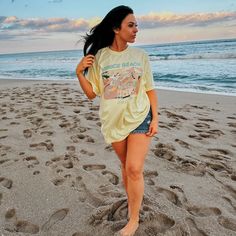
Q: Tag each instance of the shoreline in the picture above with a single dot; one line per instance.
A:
(6, 82)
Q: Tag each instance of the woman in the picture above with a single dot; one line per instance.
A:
(122, 77)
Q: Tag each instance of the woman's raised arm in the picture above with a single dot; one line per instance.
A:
(85, 62)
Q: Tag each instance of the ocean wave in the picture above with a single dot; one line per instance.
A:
(195, 79)
(179, 56)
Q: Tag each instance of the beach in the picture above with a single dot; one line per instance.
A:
(58, 177)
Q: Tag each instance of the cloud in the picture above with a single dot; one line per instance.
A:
(149, 21)
(44, 25)
(154, 20)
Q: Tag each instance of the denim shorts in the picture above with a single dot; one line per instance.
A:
(144, 126)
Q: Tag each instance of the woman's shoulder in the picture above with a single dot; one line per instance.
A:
(100, 53)
(138, 50)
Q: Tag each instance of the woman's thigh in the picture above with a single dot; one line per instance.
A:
(137, 149)
(121, 150)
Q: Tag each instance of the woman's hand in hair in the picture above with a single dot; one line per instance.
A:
(85, 62)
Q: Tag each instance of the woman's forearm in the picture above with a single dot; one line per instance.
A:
(85, 62)
(86, 86)
(152, 95)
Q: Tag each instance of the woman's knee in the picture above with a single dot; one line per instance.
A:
(134, 172)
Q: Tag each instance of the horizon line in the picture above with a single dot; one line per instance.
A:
(140, 45)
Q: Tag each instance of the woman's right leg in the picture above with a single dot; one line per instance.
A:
(121, 151)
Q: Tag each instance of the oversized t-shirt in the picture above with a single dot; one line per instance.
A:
(121, 79)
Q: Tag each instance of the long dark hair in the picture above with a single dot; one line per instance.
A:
(102, 35)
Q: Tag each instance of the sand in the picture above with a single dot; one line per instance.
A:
(58, 177)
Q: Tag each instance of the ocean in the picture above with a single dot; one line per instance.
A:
(200, 66)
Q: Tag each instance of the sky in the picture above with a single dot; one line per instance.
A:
(48, 25)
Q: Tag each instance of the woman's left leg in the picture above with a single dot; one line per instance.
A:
(137, 149)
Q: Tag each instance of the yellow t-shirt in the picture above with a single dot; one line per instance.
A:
(121, 79)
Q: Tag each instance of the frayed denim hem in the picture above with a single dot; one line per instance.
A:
(139, 132)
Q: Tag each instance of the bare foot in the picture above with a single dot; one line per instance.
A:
(129, 229)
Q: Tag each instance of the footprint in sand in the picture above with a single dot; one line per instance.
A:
(182, 198)
(149, 176)
(36, 120)
(80, 234)
(193, 229)
(113, 178)
(82, 151)
(4, 160)
(3, 130)
(165, 151)
(76, 111)
(94, 108)
(115, 211)
(206, 119)
(15, 123)
(78, 184)
(109, 191)
(159, 224)
(221, 153)
(209, 133)
(48, 133)
(92, 116)
(47, 145)
(99, 124)
(162, 125)
(2, 137)
(202, 125)
(65, 124)
(109, 148)
(58, 181)
(182, 143)
(170, 196)
(232, 208)
(231, 117)
(86, 194)
(195, 137)
(191, 167)
(70, 148)
(93, 167)
(219, 167)
(227, 222)
(12, 224)
(27, 133)
(7, 183)
(36, 172)
(56, 217)
(175, 116)
(51, 107)
(78, 137)
(233, 177)
(232, 124)
(4, 147)
(67, 160)
(203, 211)
(31, 161)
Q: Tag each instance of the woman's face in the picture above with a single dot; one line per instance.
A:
(128, 29)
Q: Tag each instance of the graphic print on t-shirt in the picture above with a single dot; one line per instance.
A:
(121, 83)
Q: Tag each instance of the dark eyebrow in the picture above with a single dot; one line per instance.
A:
(132, 22)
